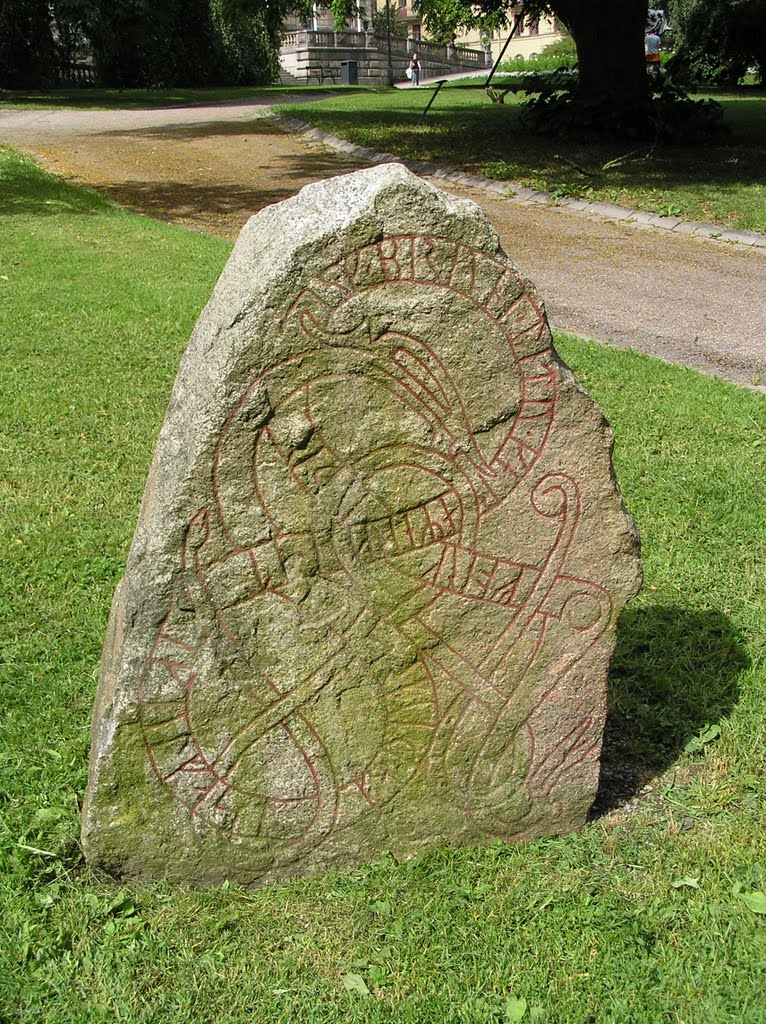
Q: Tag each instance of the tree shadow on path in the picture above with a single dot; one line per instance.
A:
(222, 209)
(257, 125)
(675, 670)
(212, 175)
(208, 176)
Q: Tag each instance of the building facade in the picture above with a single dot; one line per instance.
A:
(531, 39)
(314, 51)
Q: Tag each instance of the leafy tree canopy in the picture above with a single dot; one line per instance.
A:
(143, 42)
(612, 94)
(718, 40)
(387, 18)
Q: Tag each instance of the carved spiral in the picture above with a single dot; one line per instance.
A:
(554, 495)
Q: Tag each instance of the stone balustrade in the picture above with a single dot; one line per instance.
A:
(316, 54)
(324, 39)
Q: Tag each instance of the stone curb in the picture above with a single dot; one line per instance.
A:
(524, 196)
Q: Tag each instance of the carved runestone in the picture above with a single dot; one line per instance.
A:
(371, 600)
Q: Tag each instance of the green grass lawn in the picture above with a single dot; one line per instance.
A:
(109, 99)
(721, 184)
(651, 915)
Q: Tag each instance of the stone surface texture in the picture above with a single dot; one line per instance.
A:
(371, 600)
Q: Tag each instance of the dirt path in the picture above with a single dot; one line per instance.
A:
(685, 299)
(207, 167)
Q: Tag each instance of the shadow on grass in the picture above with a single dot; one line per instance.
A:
(477, 135)
(674, 671)
(28, 190)
(142, 99)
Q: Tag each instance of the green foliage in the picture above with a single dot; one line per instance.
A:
(27, 49)
(136, 43)
(556, 108)
(681, 120)
(69, 19)
(248, 41)
(142, 43)
(184, 42)
(718, 40)
(445, 19)
(561, 48)
(559, 109)
(560, 54)
(386, 17)
(541, 63)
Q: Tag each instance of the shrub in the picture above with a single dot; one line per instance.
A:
(563, 47)
(27, 49)
(183, 43)
(718, 40)
(537, 64)
(558, 109)
(560, 54)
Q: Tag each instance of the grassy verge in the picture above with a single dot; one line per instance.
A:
(722, 184)
(108, 99)
(648, 915)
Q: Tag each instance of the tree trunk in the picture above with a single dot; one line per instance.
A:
(609, 36)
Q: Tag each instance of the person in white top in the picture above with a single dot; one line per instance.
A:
(415, 69)
(652, 43)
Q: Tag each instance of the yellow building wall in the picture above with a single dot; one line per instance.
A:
(524, 44)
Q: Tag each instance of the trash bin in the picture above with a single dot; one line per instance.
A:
(349, 72)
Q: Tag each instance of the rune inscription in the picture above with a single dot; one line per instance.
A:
(372, 596)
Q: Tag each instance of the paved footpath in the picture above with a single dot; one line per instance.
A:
(685, 298)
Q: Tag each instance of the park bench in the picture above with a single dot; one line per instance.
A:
(320, 72)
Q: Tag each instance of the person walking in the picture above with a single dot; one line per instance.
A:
(415, 69)
(652, 43)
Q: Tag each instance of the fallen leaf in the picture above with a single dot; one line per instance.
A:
(515, 1008)
(355, 983)
(692, 881)
(755, 901)
(705, 736)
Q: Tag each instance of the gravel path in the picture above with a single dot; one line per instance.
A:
(687, 299)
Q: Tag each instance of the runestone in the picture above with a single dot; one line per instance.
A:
(372, 596)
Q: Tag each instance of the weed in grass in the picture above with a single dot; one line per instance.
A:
(669, 210)
(650, 914)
